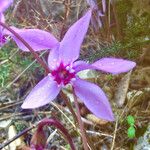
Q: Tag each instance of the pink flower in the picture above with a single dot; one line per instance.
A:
(4, 4)
(96, 19)
(64, 68)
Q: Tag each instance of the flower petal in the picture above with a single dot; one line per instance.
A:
(104, 5)
(3, 40)
(53, 58)
(94, 98)
(81, 65)
(70, 45)
(114, 65)
(92, 3)
(44, 92)
(2, 18)
(37, 39)
(4, 4)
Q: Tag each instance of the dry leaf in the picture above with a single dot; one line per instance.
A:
(122, 89)
(96, 120)
(5, 123)
(15, 144)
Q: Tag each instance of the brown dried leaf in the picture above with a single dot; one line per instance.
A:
(122, 89)
(15, 144)
(96, 120)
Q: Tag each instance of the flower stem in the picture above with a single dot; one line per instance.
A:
(84, 140)
(28, 46)
(58, 125)
(68, 103)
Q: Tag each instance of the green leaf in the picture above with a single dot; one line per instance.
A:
(130, 120)
(131, 132)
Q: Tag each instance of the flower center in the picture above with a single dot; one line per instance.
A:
(3, 39)
(63, 74)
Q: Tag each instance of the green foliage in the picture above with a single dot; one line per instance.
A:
(12, 63)
(132, 54)
(67, 147)
(20, 126)
(5, 67)
(130, 120)
(115, 49)
(131, 132)
(112, 49)
(137, 31)
(4, 74)
(25, 61)
(109, 76)
(134, 23)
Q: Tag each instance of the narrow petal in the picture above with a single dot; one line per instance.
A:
(104, 5)
(92, 3)
(70, 45)
(94, 98)
(2, 19)
(44, 92)
(4, 4)
(53, 58)
(37, 39)
(3, 40)
(81, 65)
(114, 65)
(100, 14)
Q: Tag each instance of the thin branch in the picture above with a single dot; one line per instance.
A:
(114, 136)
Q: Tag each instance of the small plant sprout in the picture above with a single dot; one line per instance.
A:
(131, 129)
(131, 132)
(4, 4)
(131, 120)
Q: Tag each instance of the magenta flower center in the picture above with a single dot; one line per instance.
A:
(3, 39)
(63, 74)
